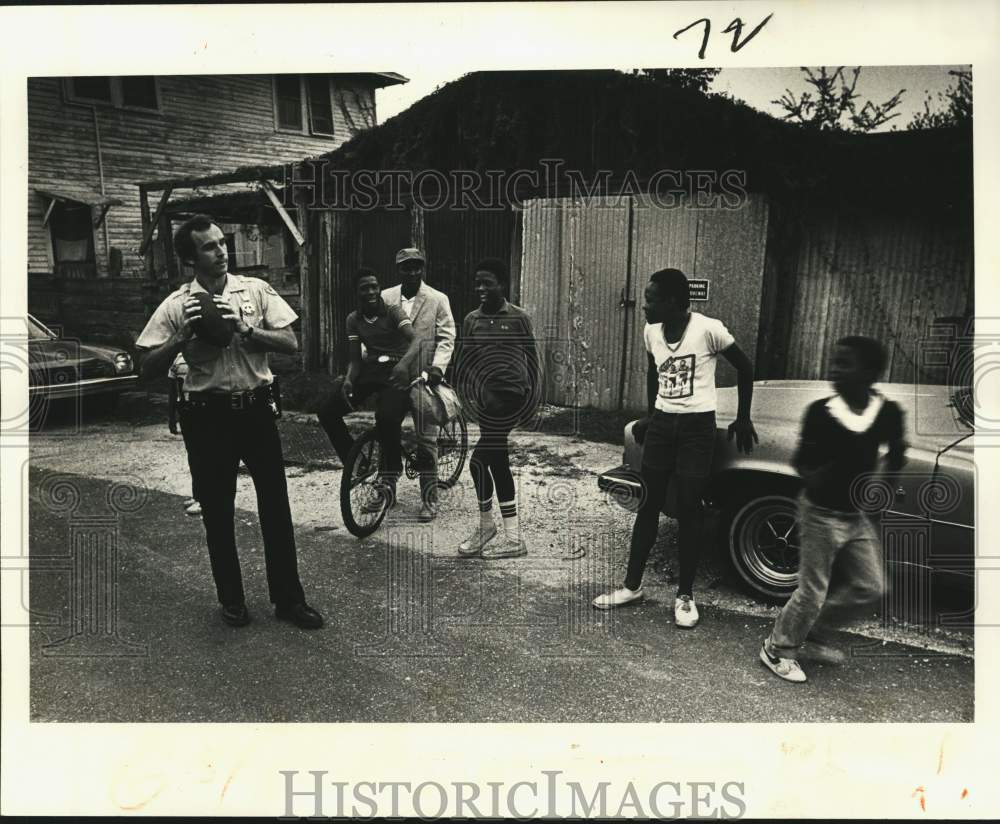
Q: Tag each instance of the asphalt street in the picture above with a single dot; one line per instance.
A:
(413, 633)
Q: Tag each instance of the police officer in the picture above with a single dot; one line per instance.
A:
(228, 414)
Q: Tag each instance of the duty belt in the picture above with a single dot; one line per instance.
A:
(235, 401)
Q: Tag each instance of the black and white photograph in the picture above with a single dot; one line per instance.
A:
(448, 432)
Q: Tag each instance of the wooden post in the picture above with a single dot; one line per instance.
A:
(146, 222)
(305, 289)
(165, 236)
(151, 224)
(268, 190)
(325, 282)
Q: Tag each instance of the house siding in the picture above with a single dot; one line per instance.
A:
(206, 125)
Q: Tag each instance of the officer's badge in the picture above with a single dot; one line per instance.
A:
(247, 308)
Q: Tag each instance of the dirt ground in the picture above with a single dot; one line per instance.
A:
(563, 514)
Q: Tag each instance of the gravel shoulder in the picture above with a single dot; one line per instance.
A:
(564, 516)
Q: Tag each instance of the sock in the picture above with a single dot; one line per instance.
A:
(511, 527)
(486, 515)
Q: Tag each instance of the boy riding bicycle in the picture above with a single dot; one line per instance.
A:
(382, 352)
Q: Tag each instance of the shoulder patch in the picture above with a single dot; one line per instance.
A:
(270, 289)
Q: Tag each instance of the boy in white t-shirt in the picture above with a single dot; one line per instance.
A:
(678, 436)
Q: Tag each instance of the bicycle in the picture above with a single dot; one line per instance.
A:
(365, 498)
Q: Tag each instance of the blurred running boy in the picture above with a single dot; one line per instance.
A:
(840, 561)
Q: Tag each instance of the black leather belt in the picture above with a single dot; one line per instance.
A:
(235, 401)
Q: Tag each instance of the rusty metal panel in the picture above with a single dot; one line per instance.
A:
(731, 247)
(886, 277)
(544, 282)
(573, 273)
(661, 238)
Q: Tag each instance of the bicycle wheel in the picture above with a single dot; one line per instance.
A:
(453, 447)
(364, 500)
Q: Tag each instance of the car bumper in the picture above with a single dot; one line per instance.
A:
(622, 482)
(92, 386)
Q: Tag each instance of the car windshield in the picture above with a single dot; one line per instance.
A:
(38, 332)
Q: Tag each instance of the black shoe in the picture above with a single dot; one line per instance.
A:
(236, 615)
(302, 615)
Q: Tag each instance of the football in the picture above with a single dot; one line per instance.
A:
(211, 327)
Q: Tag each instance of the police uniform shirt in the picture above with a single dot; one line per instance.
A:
(380, 335)
(499, 348)
(234, 368)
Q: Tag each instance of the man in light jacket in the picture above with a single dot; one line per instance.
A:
(430, 313)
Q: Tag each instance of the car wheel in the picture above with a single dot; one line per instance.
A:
(764, 545)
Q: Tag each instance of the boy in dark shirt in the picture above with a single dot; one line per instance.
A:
(498, 375)
(840, 561)
(382, 353)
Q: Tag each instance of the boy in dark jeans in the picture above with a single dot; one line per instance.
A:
(840, 562)
(678, 437)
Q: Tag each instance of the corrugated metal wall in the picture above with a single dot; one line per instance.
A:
(346, 242)
(579, 260)
(847, 273)
(454, 240)
(876, 275)
(572, 279)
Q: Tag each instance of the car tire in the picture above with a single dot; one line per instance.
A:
(761, 535)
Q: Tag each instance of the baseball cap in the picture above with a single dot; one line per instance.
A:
(410, 253)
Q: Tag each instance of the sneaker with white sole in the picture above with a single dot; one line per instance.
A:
(505, 547)
(618, 598)
(474, 544)
(787, 669)
(685, 612)
(192, 508)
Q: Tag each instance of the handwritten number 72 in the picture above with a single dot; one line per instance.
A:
(736, 27)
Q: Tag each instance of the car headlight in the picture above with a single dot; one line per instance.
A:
(123, 363)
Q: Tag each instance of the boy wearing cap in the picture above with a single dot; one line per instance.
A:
(433, 324)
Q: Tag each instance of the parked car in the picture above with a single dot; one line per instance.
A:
(66, 369)
(929, 514)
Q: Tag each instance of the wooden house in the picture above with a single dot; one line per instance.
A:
(93, 142)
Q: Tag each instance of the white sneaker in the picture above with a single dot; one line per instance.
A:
(192, 508)
(685, 612)
(787, 669)
(474, 544)
(618, 598)
(506, 547)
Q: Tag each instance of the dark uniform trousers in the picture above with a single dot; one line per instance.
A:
(217, 439)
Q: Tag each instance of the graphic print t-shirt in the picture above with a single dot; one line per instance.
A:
(686, 372)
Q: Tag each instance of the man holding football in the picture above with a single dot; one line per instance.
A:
(225, 325)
